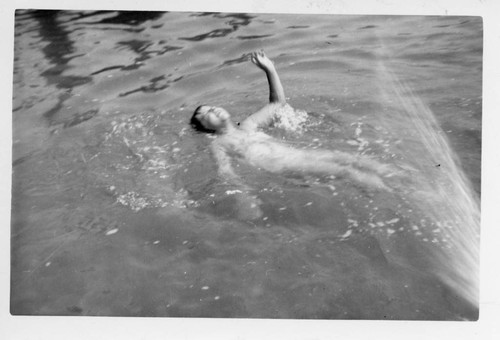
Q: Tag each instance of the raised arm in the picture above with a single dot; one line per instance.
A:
(276, 94)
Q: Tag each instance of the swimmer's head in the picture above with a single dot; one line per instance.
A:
(209, 119)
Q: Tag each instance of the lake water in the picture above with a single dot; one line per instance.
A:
(117, 208)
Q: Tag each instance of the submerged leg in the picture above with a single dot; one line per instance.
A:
(365, 172)
(368, 178)
(363, 163)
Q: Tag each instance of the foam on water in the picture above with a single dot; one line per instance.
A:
(290, 119)
(443, 192)
(153, 158)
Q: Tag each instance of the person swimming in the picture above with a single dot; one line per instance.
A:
(246, 143)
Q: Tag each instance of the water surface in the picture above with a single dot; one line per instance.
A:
(117, 208)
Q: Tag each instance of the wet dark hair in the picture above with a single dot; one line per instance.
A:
(196, 124)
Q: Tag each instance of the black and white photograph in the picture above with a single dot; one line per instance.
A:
(246, 165)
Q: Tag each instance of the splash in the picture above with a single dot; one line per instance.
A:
(137, 202)
(290, 119)
(443, 193)
(145, 154)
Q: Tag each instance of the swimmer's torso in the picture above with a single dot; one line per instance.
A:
(264, 152)
(255, 148)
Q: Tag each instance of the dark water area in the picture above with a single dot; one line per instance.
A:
(117, 207)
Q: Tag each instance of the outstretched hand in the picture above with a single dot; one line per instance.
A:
(260, 59)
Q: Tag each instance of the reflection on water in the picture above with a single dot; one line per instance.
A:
(236, 21)
(59, 50)
(130, 18)
(118, 208)
(249, 37)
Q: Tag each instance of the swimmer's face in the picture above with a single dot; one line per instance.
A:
(212, 118)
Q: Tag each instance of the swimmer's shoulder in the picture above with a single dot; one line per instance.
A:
(260, 136)
(262, 117)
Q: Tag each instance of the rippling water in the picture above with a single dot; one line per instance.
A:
(118, 210)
